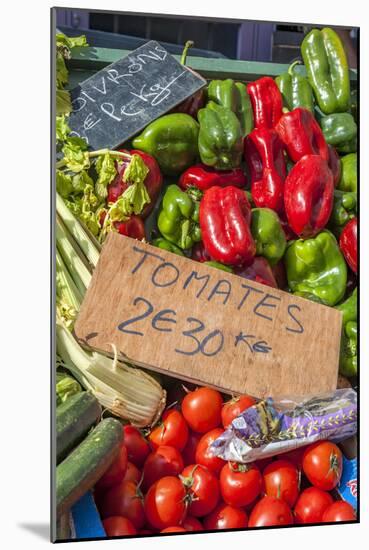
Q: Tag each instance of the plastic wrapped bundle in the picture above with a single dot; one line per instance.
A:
(273, 427)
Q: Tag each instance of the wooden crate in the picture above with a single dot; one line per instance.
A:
(87, 61)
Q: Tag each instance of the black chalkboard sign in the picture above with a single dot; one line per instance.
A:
(120, 100)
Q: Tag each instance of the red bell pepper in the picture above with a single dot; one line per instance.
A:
(280, 275)
(308, 195)
(334, 163)
(134, 227)
(348, 243)
(199, 253)
(302, 135)
(264, 154)
(203, 177)
(192, 104)
(267, 102)
(289, 234)
(153, 181)
(259, 271)
(225, 216)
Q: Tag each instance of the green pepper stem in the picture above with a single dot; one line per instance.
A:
(292, 66)
(187, 46)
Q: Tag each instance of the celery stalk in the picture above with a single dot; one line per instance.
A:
(88, 243)
(72, 258)
(127, 392)
(66, 289)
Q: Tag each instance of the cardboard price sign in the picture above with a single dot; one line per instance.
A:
(198, 323)
(120, 100)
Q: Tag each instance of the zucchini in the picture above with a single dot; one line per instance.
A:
(79, 472)
(74, 418)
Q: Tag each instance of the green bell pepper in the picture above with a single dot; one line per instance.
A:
(338, 128)
(295, 89)
(268, 234)
(317, 266)
(218, 265)
(178, 220)
(327, 70)
(348, 350)
(308, 296)
(234, 96)
(172, 141)
(344, 209)
(348, 147)
(162, 243)
(353, 107)
(220, 137)
(348, 180)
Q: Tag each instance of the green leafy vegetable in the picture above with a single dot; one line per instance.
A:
(62, 128)
(106, 170)
(75, 154)
(64, 184)
(66, 386)
(64, 45)
(63, 102)
(136, 195)
(80, 181)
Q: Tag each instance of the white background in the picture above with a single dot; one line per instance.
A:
(24, 272)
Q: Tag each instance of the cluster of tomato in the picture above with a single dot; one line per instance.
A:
(170, 481)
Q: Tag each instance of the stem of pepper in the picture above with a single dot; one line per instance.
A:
(292, 66)
(93, 154)
(188, 45)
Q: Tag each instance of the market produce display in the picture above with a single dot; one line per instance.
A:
(255, 178)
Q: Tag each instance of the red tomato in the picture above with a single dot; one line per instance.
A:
(174, 529)
(270, 511)
(339, 511)
(189, 452)
(233, 408)
(311, 505)
(118, 526)
(240, 484)
(192, 524)
(145, 532)
(164, 461)
(202, 409)
(322, 465)
(137, 446)
(203, 454)
(116, 472)
(172, 431)
(132, 473)
(226, 517)
(176, 392)
(202, 488)
(125, 500)
(165, 503)
(282, 480)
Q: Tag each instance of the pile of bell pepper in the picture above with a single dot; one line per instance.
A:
(260, 179)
